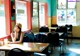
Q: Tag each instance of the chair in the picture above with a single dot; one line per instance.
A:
(69, 31)
(54, 25)
(17, 52)
(28, 36)
(39, 54)
(53, 39)
(44, 29)
(63, 29)
(40, 38)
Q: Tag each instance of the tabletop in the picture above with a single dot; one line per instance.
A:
(30, 47)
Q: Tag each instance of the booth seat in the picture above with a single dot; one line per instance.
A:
(8, 36)
(2, 39)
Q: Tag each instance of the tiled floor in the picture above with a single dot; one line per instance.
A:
(72, 49)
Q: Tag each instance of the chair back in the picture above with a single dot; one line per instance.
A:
(54, 25)
(28, 36)
(40, 38)
(44, 29)
(69, 27)
(53, 38)
(61, 29)
(16, 52)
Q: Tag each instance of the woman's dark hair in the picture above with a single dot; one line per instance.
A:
(19, 33)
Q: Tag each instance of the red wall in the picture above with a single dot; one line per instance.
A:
(46, 13)
(29, 18)
(8, 16)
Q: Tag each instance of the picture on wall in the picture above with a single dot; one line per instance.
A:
(62, 4)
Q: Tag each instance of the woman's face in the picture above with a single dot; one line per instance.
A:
(16, 29)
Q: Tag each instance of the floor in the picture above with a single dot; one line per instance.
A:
(72, 49)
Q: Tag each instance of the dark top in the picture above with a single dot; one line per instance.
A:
(18, 37)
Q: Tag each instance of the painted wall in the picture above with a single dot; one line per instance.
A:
(52, 10)
(76, 29)
(49, 12)
(8, 16)
(52, 5)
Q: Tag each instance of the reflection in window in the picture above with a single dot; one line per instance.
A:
(61, 16)
(68, 15)
(61, 3)
(41, 14)
(35, 13)
(21, 12)
(71, 16)
(71, 4)
(35, 9)
(71, 0)
(35, 4)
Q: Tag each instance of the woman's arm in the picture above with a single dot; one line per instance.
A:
(13, 37)
(17, 42)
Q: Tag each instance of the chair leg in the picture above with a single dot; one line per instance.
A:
(63, 48)
(60, 49)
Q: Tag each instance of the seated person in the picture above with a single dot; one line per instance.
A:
(16, 35)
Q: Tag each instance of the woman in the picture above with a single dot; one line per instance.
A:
(16, 35)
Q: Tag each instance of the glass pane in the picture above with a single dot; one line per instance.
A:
(71, 0)
(42, 14)
(61, 17)
(71, 16)
(21, 12)
(71, 4)
(2, 19)
(61, 3)
(35, 9)
(35, 12)
(35, 19)
(35, 5)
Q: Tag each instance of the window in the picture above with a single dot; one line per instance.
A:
(66, 12)
(21, 12)
(2, 20)
(41, 14)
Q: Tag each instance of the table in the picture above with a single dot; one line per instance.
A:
(29, 47)
(54, 28)
(60, 33)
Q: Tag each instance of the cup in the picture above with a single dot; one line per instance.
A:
(5, 41)
(25, 44)
(1, 43)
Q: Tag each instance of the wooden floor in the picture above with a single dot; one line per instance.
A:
(72, 49)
